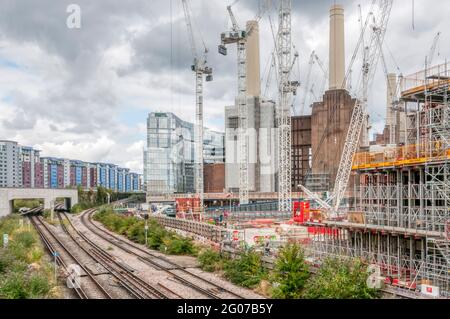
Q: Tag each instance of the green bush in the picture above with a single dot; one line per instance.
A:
(210, 260)
(178, 246)
(78, 208)
(246, 271)
(290, 273)
(47, 213)
(340, 279)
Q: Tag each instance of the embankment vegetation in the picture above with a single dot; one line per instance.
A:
(291, 277)
(157, 236)
(25, 272)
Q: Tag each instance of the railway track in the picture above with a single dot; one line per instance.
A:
(47, 236)
(180, 274)
(137, 287)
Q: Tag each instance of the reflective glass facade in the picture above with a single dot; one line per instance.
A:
(213, 147)
(169, 157)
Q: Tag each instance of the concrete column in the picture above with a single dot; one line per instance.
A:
(252, 60)
(11, 207)
(337, 47)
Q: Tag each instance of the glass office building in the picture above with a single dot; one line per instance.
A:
(169, 157)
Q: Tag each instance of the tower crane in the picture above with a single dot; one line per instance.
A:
(200, 68)
(239, 36)
(393, 95)
(331, 205)
(314, 58)
(286, 88)
(430, 55)
(306, 89)
(324, 70)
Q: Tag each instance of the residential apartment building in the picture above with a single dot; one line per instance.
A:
(169, 156)
(31, 166)
(22, 166)
(10, 168)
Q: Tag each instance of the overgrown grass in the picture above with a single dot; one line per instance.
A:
(157, 236)
(24, 273)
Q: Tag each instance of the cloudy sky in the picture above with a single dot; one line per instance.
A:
(85, 93)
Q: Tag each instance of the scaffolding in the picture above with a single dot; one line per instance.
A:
(400, 213)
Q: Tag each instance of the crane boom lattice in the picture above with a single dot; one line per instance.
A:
(285, 90)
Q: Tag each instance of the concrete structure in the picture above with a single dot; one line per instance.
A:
(10, 168)
(301, 150)
(337, 47)
(214, 178)
(253, 60)
(261, 128)
(261, 146)
(8, 195)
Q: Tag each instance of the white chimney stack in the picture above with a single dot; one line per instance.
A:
(337, 47)
(253, 63)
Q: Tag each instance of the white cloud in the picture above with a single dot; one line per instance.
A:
(73, 93)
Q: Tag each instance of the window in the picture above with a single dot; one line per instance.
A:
(233, 122)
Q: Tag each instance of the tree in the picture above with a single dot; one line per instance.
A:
(290, 273)
(340, 279)
(102, 196)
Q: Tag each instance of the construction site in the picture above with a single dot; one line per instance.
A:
(318, 179)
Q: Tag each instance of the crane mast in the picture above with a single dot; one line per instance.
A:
(200, 68)
(285, 90)
(239, 36)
